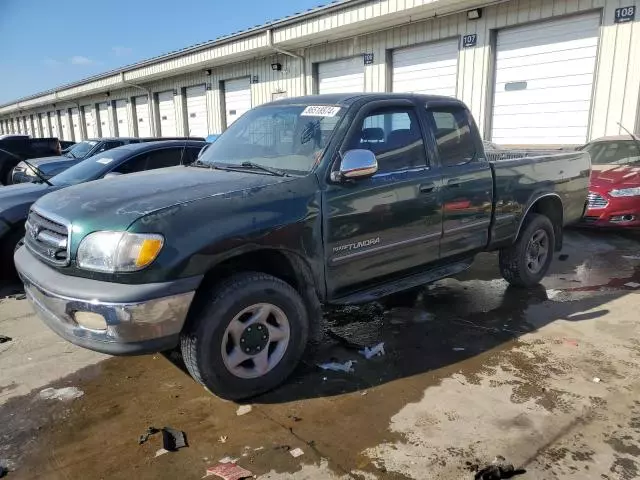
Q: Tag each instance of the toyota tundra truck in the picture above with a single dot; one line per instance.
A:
(300, 204)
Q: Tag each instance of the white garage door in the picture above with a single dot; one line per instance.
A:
(237, 98)
(75, 123)
(167, 111)
(122, 118)
(66, 127)
(142, 117)
(53, 121)
(103, 120)
(197, 111)
(428, 69)
(27, 126)
(544, 78)
(341, 76)
(44, 121)
(92, 126)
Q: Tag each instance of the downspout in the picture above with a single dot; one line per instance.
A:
(152, 114)
(303, 61)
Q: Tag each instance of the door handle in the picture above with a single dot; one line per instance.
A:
(427, 188)
(453, 183)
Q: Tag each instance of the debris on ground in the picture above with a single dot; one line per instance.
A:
(631, 257)
(145, 436)
(376, 350)
(243, 409)
(286, 448)
(223, 439)
(228, 460)
(173, 439)
(458, 349)
(402, 315)
(338, 367)
(18, 296)
(344, 341)
(3, 471)
(551, 293)
(161, 451)
(296, 452)
(4, 339)
(632, 285)
(62, 394)
(569, 341)
(294, 418)
(563, 257)
(596, 380)
(229, 471)
(498, 470)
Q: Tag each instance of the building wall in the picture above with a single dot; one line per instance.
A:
(616, 93)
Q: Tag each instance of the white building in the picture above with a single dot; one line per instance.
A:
(545, 72)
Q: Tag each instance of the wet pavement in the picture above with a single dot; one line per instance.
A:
(548, 378)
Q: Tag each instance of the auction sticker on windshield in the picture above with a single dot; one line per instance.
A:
(320, 111)
(105, 161)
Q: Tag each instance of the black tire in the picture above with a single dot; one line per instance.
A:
(513, 260)
(202, 339)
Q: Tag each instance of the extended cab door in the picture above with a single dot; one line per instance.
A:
(467, 191)
(389, 223)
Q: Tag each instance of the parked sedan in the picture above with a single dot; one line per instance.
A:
(15, 200)
(614, 193)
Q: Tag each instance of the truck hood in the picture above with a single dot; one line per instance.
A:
(615, 176)
(114, 203)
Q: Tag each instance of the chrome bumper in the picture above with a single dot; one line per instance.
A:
(132, 328)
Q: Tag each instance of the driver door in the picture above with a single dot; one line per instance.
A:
(390, 223)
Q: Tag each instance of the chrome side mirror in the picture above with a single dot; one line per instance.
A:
(112, 175)
(356, 164)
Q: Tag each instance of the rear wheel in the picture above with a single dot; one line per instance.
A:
(526, 262)
(248, 337)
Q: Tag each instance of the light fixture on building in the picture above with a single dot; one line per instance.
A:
(474, 14)
(208, 72)
(276, 67)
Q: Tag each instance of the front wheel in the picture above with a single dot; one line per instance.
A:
(526, 262)
(248, 337)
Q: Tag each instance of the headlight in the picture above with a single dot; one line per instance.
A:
(626, 192)
(118, 251)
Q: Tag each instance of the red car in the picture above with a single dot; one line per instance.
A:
(614, 193)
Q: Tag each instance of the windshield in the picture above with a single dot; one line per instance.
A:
(289, 138)
(623, 152)
(80, 150)
(85, 171)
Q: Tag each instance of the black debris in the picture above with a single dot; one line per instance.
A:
(145, 436)
(4, 339)
(563, 257)
(344, 341)
(173, 439)
(294, 418)
(3, 471)
(286, 448)
(499, 472)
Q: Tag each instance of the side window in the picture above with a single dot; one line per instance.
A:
(190, 154)
(394, 135)
(167, 157)
(455, 142)
(108, 146)
(135, 164)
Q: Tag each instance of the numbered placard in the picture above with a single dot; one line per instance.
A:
(470, 40)
(625, 14)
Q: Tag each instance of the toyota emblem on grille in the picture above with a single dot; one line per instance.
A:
(33, 231)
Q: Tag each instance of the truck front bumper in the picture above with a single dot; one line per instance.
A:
(138, 319)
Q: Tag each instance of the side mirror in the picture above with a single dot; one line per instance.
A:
(356, 164)
(112, 175)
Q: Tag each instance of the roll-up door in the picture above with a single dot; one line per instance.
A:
(237, 98)
(122, 118)
(341, 76)
(167, 111)
(197, 111)
(75, 123)
(142, 116)
(103, 120)
(92, 126)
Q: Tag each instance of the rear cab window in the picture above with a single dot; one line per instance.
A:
(453, 133)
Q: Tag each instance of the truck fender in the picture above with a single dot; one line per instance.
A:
(557, 225)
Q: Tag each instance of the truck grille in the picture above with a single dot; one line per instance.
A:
(47, 238)
(596, 201)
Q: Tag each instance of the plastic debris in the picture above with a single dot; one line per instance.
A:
(229, 471)
(551, 294)
(161, 451)
(4, 339)
(223, 439)
(376, 350)
(458, 349)
(338, 367)
(243, 409)
(173, 439)
(296, 452)
(632, 285)
(145, 436)
(63, 394)
(228, 460)
(498, 470)
(596, 380)
(631, 257)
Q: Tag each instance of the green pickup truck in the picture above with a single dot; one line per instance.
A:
(301, 203)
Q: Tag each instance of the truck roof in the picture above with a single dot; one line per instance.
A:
(350, 98)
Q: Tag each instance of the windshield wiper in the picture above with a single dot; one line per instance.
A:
(33, 168)
(201, 164)
(257, 166)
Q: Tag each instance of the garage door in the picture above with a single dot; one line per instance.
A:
(92, 126)
(167, 111)
(103, 120)
(142, 117)
(197, 111)
(46, 129)
(429, 69)
(341, 76)
(53, 122)
(66, 126)
(237, 98)
(122, 118)
(37, 125)
(27, 126)
(544, 78)
(75, 123)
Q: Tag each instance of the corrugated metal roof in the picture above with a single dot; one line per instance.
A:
(198, 46)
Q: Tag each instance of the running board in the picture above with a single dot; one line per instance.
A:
(406, 283)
